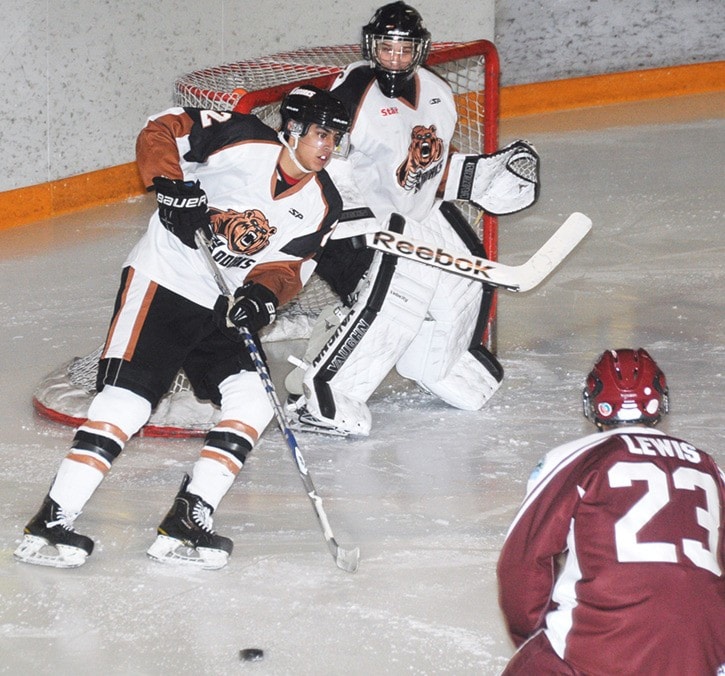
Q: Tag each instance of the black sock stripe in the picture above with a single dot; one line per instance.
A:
(229, 442)
(106, 448)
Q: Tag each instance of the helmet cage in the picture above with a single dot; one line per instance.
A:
(625, 387)
(401, 25)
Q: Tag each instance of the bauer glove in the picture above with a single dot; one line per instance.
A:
(182, 208)
(253, 305)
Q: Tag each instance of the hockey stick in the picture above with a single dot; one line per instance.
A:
(347, 559)
(519, 278)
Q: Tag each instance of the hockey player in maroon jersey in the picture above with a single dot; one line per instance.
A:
(268, 205)
(398, 313)
(614, 562)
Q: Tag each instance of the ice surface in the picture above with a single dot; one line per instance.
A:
(428, 496)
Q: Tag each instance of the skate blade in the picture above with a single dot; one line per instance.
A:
(173, 552)
(39, 552)
(307, 427)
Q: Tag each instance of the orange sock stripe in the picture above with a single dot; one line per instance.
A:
(90, 460)
(108, 428)
(227, 461)
(239, 427)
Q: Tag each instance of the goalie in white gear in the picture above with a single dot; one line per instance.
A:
(398, 313)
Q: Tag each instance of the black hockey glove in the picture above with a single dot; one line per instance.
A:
(182, 208)
(253, 306)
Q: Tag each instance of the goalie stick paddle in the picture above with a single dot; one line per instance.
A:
(518, 278)
(346, 559)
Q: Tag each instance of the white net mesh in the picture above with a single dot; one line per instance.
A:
(258, 86)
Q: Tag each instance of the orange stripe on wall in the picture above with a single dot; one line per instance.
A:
(25, 205)
(602, 90)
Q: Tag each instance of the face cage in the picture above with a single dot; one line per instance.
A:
(300, 131)
(376, 43)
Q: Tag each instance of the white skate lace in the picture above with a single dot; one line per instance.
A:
(65, 519)
(202, 517)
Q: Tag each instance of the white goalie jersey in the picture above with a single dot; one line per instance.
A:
(400, 173)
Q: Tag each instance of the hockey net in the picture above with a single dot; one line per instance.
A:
(257, 86)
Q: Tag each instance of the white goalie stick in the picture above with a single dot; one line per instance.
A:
(346, 559)
(518, 278)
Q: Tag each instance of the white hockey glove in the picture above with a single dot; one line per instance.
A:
(504, 182)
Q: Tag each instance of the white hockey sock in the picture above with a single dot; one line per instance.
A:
(74, 484)
(210, 480)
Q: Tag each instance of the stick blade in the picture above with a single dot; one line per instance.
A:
(347, 559)
(554, 251)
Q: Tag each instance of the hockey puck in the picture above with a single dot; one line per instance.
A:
(251, 654)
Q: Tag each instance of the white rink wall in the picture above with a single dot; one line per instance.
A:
(540, 41)
(80, 78)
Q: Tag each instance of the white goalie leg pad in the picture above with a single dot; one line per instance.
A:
(351, 416)
(503, 182)
(468, 385)
(439, 360)
(327, 321)
(368, 342)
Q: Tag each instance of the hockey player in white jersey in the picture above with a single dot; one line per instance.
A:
(267, 204)
(398, 313)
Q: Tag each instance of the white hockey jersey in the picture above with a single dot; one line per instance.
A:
(400, 146)
(264, 230)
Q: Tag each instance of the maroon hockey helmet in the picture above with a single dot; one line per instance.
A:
(625, 387)
(395, 23)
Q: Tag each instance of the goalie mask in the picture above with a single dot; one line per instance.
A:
(625, 387)
(397, 43)
(307, 105)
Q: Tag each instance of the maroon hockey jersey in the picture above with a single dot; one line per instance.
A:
(617, 554)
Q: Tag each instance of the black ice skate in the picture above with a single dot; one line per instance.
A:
(50, 540)
(300, 419)
(185, 536)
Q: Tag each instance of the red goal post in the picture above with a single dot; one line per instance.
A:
(257, 86)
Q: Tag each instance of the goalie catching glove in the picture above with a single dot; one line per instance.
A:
(182, 208)
(253, 306)
(504, 182)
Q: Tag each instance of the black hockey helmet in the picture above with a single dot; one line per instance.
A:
(395, 23)
(308, 105)
(625, 387)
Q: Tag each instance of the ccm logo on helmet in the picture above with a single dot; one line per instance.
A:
(439, 256)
